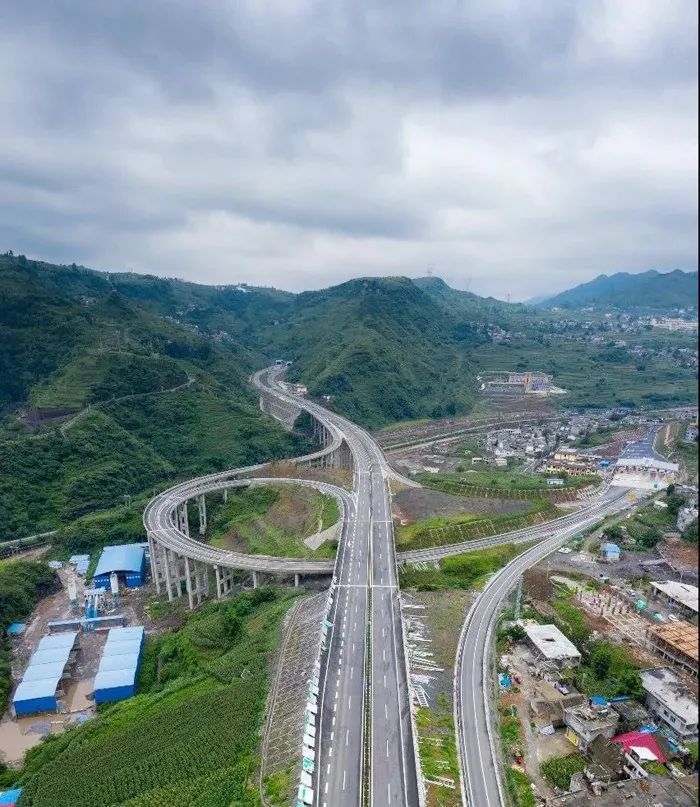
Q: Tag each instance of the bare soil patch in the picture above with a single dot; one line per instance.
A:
(416, 504)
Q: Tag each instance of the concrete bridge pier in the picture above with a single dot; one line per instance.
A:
(202, 508)
(153, 558)
(256, 582)
(182, 519)
(168, 572)
(188, 582)
(297, 578)
(224, 581)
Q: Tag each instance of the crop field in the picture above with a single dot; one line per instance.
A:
(190, 739)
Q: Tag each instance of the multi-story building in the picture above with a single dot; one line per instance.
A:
(671, 702)
(586, 722)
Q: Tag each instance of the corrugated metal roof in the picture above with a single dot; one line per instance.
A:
(120, 658)
(30, 690)
(128, 661)
(122, 558)
(39, 672)
(107, 679)
(10, 797)
(121, 634)
(121, 648)
(42, 657)
(55, 640)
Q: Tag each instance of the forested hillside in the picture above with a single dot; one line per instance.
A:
(112, 384)
(651, 290)
(103, 397)
(382, 348)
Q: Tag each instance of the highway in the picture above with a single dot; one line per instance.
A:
(366, 751)
(367, 674)
(479, 756)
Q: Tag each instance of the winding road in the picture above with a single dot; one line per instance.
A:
(366, 749)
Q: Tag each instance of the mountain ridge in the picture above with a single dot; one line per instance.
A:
(650, 290)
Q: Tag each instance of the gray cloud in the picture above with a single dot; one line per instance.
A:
(515, 147)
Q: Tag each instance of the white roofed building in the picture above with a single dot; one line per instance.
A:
(550, 644)
(682, 595)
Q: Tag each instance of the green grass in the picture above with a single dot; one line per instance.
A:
(517, 782)
(100, 375)
(458, 528)
(438, 756)
(559, 770)
(274, 520)
(593, 381)
(22, 584)
(500, 479)
(466, 571)
(190, 739)
(686, 453)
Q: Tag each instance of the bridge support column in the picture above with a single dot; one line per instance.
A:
(201, 581)
(188, 582)
(225, 495)
(202, 507)
(255, 580)
(182, 519)
(166, 568)
(296, 580)
(155, 574)
(217, 577)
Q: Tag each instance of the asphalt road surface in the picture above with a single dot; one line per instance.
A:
(366, 645)
(479, 759)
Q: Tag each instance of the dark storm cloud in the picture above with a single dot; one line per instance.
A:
(518, 146)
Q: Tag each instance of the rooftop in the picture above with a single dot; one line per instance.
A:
(681, 636)
(654, 791)
(551, 642)
(122, 558)
(666, 687)
(637, 740)
(682, 592)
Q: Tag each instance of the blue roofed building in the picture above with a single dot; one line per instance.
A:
(117, 674)
(127, 560)
(43, 680)
(610, 553)
(9, 798)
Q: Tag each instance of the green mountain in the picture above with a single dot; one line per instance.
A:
(104, 395)
(382, 348)
(652, 290)
(111, 384)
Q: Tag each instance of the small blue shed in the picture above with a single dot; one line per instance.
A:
(9, 798)
(127, 560)
(610, 552)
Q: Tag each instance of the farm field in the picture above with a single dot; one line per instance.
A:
(190, 738)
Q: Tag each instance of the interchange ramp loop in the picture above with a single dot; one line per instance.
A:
(160, 524)
(177, 558)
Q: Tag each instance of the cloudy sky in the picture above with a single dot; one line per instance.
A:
(513, 147)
